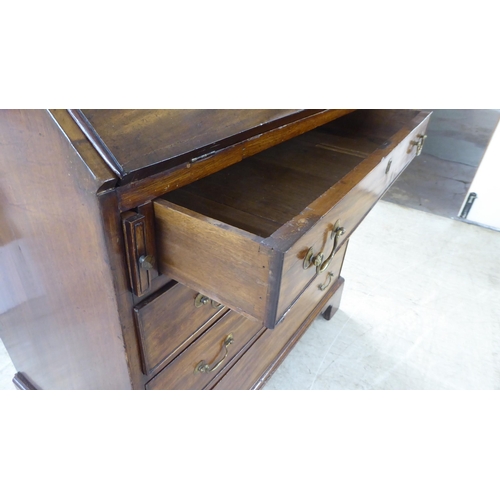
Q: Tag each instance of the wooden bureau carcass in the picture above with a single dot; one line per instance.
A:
(181, 249)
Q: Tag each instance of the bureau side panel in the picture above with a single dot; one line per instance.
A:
(58, 310)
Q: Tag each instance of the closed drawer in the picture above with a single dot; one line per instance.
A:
(209, 355)
(243, 235)
(256, 361)
(171, 319)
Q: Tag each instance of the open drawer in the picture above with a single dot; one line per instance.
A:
(254, 235)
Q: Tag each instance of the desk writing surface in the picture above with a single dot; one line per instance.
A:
(140, 142)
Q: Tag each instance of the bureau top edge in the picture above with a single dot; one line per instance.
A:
(136, 144)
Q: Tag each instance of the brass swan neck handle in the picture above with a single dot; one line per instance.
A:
(318, 261)
(205, 368)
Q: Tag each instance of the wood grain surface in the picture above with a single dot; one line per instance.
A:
(224, 263)
(58, 312)
(182, 374)
(131, 140)
(168, 321)
(171, 175)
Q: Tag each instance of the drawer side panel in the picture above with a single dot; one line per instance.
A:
(217, 260)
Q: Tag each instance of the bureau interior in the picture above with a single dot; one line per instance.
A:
(263, 192)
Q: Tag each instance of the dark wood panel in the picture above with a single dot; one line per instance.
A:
(131, 139)
(104, 181)
(58, 316)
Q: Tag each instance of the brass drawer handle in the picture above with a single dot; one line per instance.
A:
(321, 265)
(324, 286)
(201, 300)
(420, 143)
(205, 368)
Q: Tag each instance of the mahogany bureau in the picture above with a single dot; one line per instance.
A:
(181, 249)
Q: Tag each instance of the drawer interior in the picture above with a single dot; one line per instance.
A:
(262, 193)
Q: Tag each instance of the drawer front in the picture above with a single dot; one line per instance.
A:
(341, 220)
(261, 355)
(214, 236)
(168, 321)
(211, 353)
